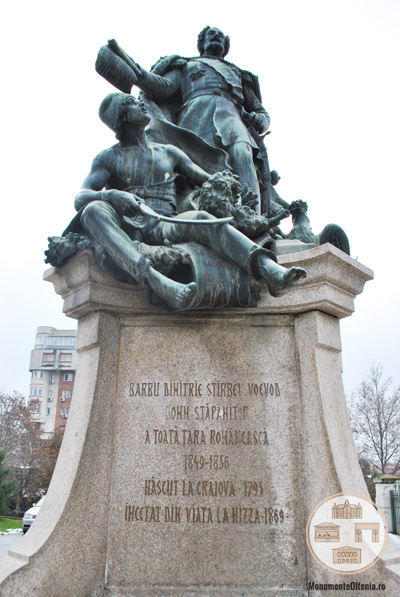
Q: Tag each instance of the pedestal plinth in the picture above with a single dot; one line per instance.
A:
(198, 443)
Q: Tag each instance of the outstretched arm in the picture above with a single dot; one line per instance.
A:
(190, 170)
(155, 86)
(92, 190)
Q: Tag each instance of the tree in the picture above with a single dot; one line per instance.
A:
(49, 450)
(374, 409)
(30, 458)
(6, 485)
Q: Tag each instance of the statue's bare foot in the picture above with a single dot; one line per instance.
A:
(177, 295)
(278, 278)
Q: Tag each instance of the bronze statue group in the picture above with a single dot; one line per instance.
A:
(199, 121)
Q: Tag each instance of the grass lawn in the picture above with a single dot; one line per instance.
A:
(7, 523)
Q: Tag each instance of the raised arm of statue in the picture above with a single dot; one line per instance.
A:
(155, 86)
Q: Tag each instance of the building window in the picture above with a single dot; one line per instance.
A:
(64, 413)
(48, 358)
(62, 341)
(36, 408)
(50, 396)
(52, 377)
(66, 394)
(65, 358)
(48, 411)
(67, 376)
(37, 374)
(40, 391)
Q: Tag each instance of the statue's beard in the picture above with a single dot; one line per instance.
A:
(214, 49)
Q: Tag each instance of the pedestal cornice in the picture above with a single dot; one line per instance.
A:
(333, 281)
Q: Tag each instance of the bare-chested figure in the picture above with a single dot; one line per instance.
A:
(136, 170)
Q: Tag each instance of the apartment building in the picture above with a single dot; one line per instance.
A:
(52, 367)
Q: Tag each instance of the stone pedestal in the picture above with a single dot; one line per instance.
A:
(198, 443)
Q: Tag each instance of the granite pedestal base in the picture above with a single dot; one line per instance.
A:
(198, 443)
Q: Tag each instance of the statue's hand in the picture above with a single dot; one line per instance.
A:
(257, 121)
(125, 204)
(136, 69)
(116, 48)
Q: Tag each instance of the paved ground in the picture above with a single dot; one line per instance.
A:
(7, 542)
(395, 538)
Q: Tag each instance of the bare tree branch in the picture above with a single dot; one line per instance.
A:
(374, 409)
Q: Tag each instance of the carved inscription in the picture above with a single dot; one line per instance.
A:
(211, 437)
(216, 389)
(208, 487)
(207, 412)
(204, 514)
(215, 424)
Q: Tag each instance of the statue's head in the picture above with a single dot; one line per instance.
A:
(119, 108)
(212, 41)
(275, 178)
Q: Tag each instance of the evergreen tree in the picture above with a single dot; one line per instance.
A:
(6, 486)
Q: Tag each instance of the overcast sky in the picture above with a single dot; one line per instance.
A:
(329, 75)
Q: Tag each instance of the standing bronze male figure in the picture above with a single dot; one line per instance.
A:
(207, 95)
